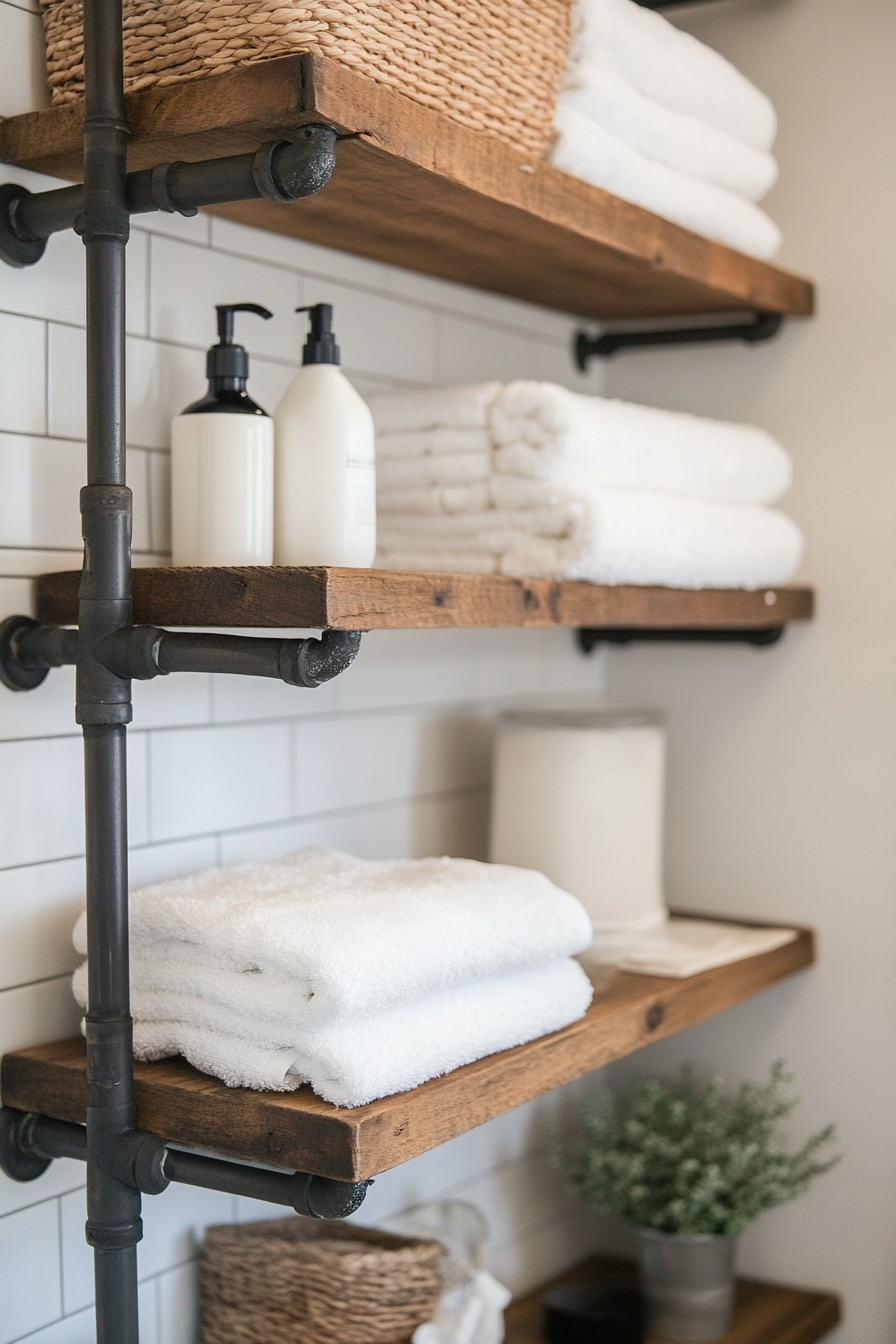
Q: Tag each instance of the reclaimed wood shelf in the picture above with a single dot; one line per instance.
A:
(417, 190)
(276, 597)
(764, 1313)
(300, 1131)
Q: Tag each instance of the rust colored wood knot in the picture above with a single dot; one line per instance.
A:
(654, 1016)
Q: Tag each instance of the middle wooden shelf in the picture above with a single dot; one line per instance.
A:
(298, 1130)
(279, 598)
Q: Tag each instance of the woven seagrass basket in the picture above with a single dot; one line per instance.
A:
(298, 1281)
(493, 65)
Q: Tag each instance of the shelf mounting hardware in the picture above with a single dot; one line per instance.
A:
(762, 327)
(760, 637)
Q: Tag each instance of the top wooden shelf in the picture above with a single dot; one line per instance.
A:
(300, 1131)
(419, 191)
(279, 598)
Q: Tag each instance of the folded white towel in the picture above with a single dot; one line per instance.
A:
(435, 408)
(431, 442)
(356, 935)
(355, 1060)
(668, 65)
(612, 537)
(547, 431)
(586, 150)
(442, 499)
(444, 469)
(673, 138)
(433, 559)
(684, 947)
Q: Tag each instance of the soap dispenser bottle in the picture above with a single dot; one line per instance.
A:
(325, 494)
(222, 463)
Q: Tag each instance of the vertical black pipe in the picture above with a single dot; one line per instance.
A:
(113, 1204)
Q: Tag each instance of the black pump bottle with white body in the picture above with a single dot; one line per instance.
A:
(222, 463)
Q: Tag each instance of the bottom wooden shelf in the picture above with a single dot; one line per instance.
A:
(765, 1313)
(297, 1130)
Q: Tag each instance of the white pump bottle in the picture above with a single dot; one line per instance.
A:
(325, 481)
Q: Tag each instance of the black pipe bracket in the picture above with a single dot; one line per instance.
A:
(760, 637)
(140, 652)
(585, 348)
(30, 1142)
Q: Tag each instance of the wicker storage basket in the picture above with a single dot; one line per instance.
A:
(296, 1281)
(494, 65)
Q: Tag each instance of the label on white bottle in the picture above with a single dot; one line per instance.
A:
(362, 490)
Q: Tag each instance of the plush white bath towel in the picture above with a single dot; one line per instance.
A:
(544, 430)
(673, 138)
(612, 537)
(357, 935)
(431, 442)
(584, 149)
(445, 469)
(442, 499)
(669, 66)
(459, 407)
(434, 559)
(355, 1060)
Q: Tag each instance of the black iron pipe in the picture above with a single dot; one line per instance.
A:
(759, 637)
(144, 651)
(103, 700)
(28, 1143)
(761, 328)
(281, 170)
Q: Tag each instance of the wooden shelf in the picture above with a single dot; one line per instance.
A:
(298, 1130)
(417, 190)
(764, 1313)
(276, 597)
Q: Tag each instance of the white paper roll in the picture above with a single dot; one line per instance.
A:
(578, 794)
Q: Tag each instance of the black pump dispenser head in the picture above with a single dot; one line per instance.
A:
(227, 368)
(226, 360)
(320, 347)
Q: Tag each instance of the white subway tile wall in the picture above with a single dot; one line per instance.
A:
(391, 759)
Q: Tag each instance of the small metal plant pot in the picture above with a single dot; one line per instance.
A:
(688, 1283)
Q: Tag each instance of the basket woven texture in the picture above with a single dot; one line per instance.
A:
(493, 65)
(294, 1281)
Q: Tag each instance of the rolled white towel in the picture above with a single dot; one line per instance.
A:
(546, 431)
(414, 473)
(464, 407)
(586, 150)
(355, 1060)
(674, 138)
(359, 935)
(431, 442)
(611, 537)
(668, 65)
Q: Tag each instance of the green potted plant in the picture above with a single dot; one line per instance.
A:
(689, 1166)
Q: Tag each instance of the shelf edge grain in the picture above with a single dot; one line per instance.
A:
(275, 597)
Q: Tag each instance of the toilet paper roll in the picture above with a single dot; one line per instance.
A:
(578, 794)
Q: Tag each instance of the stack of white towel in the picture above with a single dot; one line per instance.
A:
(652, 115)
(531, 480)
(361, 978)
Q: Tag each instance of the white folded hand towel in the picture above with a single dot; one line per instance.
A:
(431, 442)
(415, 473)
(684, 947)
(463, 407)
(674, 138)
(439, 498)
(584, 149)
(668, 65)
(547, 431)
(355, 1060)
(612, 537)
(434, 559)
(357, 935)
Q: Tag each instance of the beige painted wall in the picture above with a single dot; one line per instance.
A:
(782, 786)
